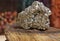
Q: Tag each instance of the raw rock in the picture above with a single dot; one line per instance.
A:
(34, 16)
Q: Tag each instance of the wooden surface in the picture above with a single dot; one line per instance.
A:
(51, 34)
(55, 18)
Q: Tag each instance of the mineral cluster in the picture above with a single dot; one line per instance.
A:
(34, 16)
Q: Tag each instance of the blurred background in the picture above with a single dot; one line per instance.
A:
(9, 10)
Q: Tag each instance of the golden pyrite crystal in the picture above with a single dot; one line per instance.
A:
(34, 16)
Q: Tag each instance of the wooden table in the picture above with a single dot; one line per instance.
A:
(52, 34)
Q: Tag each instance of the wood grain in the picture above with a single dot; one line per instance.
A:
(55, 18)
(51, 34)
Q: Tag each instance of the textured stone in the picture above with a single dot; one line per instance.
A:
(34, 16)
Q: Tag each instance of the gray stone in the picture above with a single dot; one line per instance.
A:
(35, 16)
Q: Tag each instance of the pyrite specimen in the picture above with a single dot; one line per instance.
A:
(34, 16)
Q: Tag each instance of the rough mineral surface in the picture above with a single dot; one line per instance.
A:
(34, 16)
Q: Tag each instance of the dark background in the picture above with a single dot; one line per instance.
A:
(19, 5)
